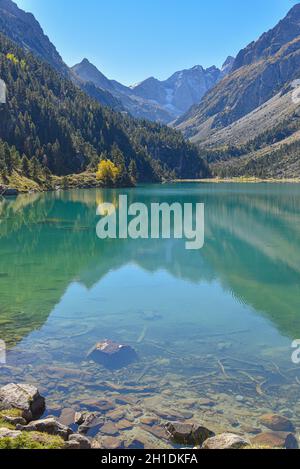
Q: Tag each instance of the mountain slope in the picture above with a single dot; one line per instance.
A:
(271, 42)
(253, 102)
(257, 75)
(59, 128)
(25, 30)
(164, 103)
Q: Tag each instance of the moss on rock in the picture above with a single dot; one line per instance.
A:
(13, 413)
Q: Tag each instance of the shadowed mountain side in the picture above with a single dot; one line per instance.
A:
(49, 242)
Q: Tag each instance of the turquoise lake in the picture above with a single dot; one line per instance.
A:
(213, 328)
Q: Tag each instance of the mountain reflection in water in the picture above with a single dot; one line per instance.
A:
(215, 323)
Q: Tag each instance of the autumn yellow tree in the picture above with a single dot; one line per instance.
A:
(107, 172)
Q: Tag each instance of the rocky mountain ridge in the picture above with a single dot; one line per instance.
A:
(153, 99)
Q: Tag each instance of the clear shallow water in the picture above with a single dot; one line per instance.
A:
(213, 328)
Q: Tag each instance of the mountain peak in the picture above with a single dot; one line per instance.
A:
(85, 61)
(271, 42)
(228, 61)
(88, 72)
(197, 67)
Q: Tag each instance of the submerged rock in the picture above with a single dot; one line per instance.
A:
(226, 441)
(277, 423)
(117, 414)
(112, 355)
(188, 434)
(88, 420)
(24, 397)
(273, 440)
(149, 420)
(109, 428)
(124, 425)
(104, 404)
(158, 431)
(108, 442)
(67, 416)
(49, 425)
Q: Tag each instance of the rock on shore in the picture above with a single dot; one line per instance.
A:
(24, 397)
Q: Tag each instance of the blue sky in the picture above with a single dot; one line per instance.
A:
(130, 40)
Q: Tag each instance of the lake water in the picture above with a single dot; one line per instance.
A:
(212, 328)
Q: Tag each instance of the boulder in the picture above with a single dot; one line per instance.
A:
(76, 441)
(187, 434)
(112, 355)
(49, 425)
(88, 420)
(226, 441)
(280, 440)
(277, 423)
(24, 397)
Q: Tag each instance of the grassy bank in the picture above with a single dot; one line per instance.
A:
(23, 184)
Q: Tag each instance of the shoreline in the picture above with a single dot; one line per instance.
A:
(25, 425)
(248, 180)
(88, 181)
(19, 185)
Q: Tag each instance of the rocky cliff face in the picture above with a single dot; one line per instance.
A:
(182, 90)
(260, 71)
(271, 42)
